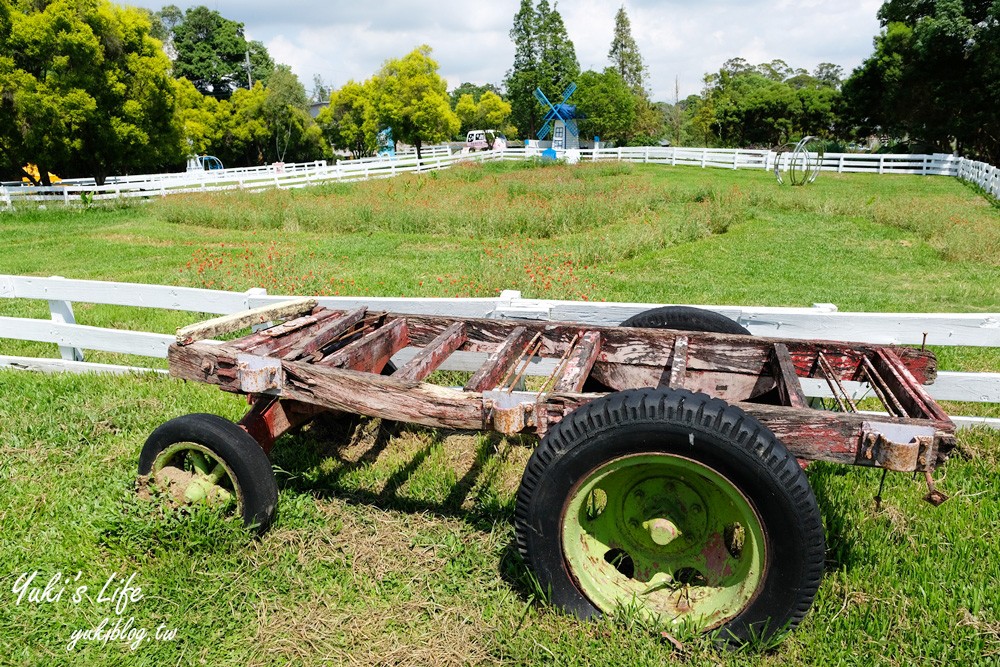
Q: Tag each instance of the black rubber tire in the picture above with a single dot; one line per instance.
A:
(686, 318)
(725, 439)
(236, 448)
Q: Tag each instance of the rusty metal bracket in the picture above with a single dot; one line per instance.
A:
(899, 447)
(509, 412)
(259, 375)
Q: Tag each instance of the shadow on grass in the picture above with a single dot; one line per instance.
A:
(303, 463)
(827, 484)
(305, 458)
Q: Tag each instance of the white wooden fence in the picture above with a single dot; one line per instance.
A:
(314, 173)
(822, 321)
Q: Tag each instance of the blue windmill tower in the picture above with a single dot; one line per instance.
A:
(561, 119)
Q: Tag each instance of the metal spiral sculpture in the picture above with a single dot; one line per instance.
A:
(804, 164)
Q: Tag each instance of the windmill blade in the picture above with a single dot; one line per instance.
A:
(540, 96)
(571, 126)
(569, 91)
(544, 131)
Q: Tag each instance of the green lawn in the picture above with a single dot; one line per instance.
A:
(393, 545)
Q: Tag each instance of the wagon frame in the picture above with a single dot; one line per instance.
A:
(729, 410)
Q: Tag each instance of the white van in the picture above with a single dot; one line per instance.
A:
(476, 140)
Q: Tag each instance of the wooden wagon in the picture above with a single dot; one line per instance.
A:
(669, 473)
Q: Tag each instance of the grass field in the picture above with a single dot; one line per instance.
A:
(393, 545)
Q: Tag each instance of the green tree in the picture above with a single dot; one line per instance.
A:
(203, 118)
(163, 24)
(212, 53)
(829, 75)
(286, 111)
(473, 89)
(766, 105)
(934, 77)
(84, 90)
(349, 122)
(271, 124)
(557, 64)
(648, 123)
(607, 104)
(523, 77)
(489, 112)
(544, 57)
(624, 53)
(412, 99)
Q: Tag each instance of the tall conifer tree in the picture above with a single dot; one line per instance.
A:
(544, 57)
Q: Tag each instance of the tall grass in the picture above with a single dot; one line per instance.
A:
(393, 545)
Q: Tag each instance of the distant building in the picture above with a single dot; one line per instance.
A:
(316, 107)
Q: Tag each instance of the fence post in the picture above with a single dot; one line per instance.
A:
(704, 157)
(248, 304)
(881, 164)
(736, 157)
(62, 312)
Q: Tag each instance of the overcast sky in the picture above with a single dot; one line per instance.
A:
(677, 38)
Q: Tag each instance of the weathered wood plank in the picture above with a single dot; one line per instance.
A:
(434, 354)
(373, 351)
(809, 434)
(325, 334)
(812, 435)
(229, 323)
(652, 348)
(351, 391)
(901, 382)
(579, 363)
(499, 363)
(789, 387)
(267, 341)
(678, 362)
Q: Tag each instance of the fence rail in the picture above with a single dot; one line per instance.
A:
(821, 321)
(314, 173)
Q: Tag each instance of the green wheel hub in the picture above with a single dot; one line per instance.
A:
(193, 473)
(665, 535)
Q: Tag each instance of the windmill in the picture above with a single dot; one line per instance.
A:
(561, 119)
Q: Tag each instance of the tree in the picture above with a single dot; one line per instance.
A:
(648, 121)
(489, 112)
(544, 57)
(84, 89)
(934, 76)
(624, 53)
(212, 53)
(349, 122)
(557, 64)
(607, 104)
(829, 75)
(766, 105)
(523, 77)
(473, 89)
(163, 24)
(203, 118)
(321, 90)
(270, 124)
(286, 111)
(412, 99)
